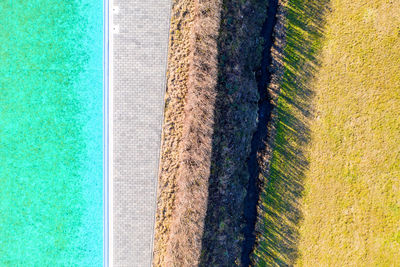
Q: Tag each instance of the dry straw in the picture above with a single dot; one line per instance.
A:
(184, 247)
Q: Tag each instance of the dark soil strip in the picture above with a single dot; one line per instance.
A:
(260, 137)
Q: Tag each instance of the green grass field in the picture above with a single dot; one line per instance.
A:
(333, 196)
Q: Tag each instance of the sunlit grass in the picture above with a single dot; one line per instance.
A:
(333, 198)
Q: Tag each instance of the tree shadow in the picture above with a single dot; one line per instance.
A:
(235, 118)
(279, 212)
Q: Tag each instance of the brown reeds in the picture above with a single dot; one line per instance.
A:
(174, 117)
(187, 225)
(199, 129)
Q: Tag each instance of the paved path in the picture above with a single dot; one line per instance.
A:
(140, 54)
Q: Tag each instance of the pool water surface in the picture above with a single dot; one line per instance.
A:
(51, 133)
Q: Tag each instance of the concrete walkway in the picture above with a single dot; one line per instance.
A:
(140, 54)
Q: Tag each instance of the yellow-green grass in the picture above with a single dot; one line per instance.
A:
(333, 196)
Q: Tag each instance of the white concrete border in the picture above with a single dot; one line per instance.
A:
(111, 144)
(107, 136)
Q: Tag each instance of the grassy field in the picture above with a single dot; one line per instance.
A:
(333, 196)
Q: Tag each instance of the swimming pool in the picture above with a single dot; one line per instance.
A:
(51, 133)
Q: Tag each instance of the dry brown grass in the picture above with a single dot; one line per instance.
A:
(177, 77)
(186, 152)
(210, 117)
(184, 245)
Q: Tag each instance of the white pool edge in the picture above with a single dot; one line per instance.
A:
(107, 137)
(111, 143)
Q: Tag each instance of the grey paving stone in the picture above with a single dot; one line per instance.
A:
(140, 54)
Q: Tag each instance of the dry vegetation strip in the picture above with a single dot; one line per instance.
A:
(186, 154)
(187, 226)
(239, 50)
(240, 47)
(333, 193)
(177, 77)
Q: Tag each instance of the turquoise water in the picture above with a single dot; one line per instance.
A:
(51, 133)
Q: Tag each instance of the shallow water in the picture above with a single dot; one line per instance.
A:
(51, 133)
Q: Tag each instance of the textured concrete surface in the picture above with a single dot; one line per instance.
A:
(140, 54)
